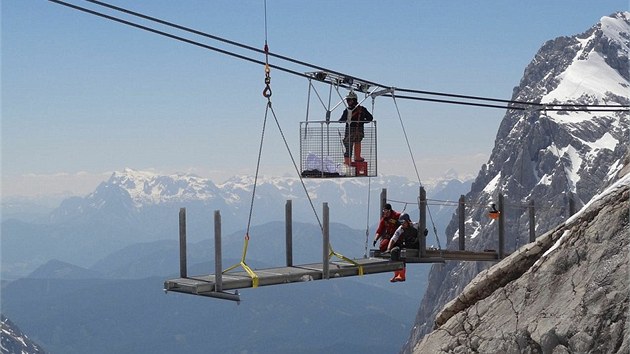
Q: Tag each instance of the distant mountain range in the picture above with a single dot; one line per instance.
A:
(117, 305)
(139, 207)
(140, 194)
(96, 264)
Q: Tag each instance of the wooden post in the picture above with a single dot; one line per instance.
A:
(461, 212)
(501, 226)
(532, 221)
(289, 232)
(218, 268)
(326, 243)
(422, 223)
(183, 269)
(383, 202)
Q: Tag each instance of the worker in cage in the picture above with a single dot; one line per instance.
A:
(355, 117)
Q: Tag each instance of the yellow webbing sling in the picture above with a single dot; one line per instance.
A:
(244, 265)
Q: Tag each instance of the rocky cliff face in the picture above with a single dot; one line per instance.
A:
(567, 292)
(547, 156)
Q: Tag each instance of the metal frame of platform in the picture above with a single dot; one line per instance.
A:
(439, 256)
(217, 285)
(205, 285)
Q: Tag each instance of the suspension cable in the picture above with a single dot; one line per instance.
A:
(267, 94)
(407, 140)
(545, 106)
(242, 263)
(297, 170)
(434, 230)
(172, 36)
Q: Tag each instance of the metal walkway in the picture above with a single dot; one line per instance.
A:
(217, 285)
(440, 256)
(206, 285)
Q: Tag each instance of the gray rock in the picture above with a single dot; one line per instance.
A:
(530, 161)
(566, 293)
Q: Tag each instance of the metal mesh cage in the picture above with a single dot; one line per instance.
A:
(334, 150)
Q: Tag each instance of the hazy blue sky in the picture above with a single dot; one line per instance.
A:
(83, 96)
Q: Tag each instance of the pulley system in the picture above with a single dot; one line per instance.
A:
(344, 145)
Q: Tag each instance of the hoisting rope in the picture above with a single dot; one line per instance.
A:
(367, 218)
(415, 166)
(434, 231)
(267, 94)
(242, 263)
(297, 170)
(267, 91)
(406, 139)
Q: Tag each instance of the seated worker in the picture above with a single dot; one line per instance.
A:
(406, 236)
(386, 227)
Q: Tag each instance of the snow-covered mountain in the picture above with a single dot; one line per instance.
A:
(138, 206)
(14, 341)
(548, 156)
(565, 293)
(132, 194)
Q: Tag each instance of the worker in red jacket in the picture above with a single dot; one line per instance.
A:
(386, 227)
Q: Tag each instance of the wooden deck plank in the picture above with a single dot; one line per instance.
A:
(440, 256)
(206, 284)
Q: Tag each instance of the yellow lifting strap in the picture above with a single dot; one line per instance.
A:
(342, 257)
(244, 265)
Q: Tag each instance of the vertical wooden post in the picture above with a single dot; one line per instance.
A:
(183, 269)
(383, 201)
(326, 244)
(461, 212)
(501, 226)
(422, 223)
(288, 221)
(218, 268)
(532, 221)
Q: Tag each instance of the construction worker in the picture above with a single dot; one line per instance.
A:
(356, 115)
(406, 236)
(386, 227)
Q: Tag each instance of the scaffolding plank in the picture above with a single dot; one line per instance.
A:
(205, 284)
(440, 256)
(456, 255)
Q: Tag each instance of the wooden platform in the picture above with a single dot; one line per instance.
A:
(440, 256)
(205, 285)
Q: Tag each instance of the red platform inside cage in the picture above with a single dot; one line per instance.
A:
(361, 168)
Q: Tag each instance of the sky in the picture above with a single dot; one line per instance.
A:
(83, 96)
